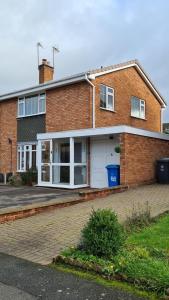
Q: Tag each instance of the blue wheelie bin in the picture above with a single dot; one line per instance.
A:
(113, 172)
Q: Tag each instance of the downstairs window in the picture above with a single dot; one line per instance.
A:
(26, 157)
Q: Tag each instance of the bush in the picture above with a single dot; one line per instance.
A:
(29, 177)
(103, 236)
(140, 217)
(15, 180)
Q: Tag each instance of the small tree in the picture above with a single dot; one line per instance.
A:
(103, 236)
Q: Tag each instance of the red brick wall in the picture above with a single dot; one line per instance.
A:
(127, 83)
(138, 158)
(69, 107)
(8, 129)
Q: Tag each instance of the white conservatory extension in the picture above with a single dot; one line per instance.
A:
(77, 158)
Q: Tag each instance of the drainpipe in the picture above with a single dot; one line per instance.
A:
(162, 119)
(93, 102)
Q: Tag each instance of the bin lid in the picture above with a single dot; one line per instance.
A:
(164, 159)
(112, 166)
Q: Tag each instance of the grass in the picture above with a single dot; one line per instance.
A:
(143, 262)
(107, 283)
(154, 236)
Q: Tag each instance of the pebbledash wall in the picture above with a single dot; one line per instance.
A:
(138, 158)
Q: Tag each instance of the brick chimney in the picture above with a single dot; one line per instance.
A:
(45, 71)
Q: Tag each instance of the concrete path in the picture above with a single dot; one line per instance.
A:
(23, 280)
(42, 237)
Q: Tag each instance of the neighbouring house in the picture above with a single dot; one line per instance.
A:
(70, 128)
(166, 128)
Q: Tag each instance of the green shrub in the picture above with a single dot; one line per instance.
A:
(103, 236)
(15, 180)
(134, 265)
(144, 271)
(140, 217)
(29, 177)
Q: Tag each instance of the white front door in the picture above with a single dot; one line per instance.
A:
(102, 154)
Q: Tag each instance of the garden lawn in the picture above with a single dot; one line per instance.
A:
(153, 236)
(143, 261)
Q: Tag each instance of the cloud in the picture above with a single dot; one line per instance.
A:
(88, 33)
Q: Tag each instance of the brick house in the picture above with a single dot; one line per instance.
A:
(70, 128)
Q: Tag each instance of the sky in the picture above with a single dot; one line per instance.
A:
(89, 34)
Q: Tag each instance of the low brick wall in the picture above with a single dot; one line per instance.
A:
(138, 158)
(99, 193)
(28, 211)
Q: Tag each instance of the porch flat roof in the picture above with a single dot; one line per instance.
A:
(102, 131)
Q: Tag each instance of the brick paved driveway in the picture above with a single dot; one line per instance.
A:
(41, 237)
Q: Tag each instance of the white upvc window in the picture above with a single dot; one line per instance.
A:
(106, 97)
(21, 107)
(137, 108)
(26, 157)
(32, 105)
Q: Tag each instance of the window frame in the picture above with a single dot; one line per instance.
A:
(108, 94)
(21, 152)
(142, 103)
(22, 100)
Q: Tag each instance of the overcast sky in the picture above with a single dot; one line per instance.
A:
(89, 33)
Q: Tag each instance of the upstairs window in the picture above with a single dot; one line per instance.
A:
(31, 105)
(137, 108)
(106, 97)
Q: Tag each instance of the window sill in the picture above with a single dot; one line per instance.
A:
(144, 119)
(111, 110)
(28, 116)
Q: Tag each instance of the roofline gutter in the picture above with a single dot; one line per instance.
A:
(43, 87)
(93, 101)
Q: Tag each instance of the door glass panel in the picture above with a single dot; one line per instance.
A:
(64, 174)
(64, 153)
(61, 151)
(45, 173)
(80, 175)
(45, 149)
(78, 152)
(60, 174)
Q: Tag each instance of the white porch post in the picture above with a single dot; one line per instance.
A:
(71, 162)
(39, 161)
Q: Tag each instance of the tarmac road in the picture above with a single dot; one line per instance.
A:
(24, 280)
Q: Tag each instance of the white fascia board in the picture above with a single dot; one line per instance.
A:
(102, 131)
(94, 75)
(151, 86)
(42, 88)
(160, 99)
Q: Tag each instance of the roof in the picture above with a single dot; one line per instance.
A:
(93, 132)
(91, 74)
